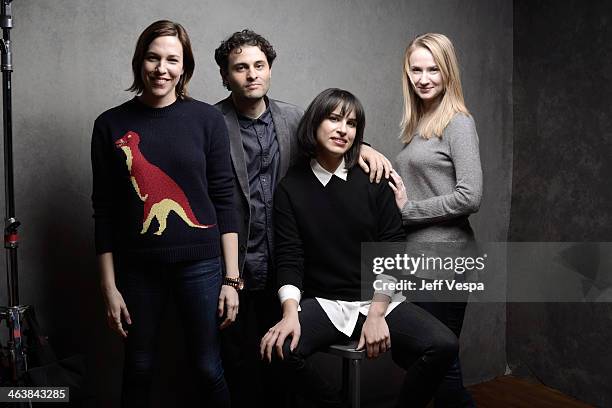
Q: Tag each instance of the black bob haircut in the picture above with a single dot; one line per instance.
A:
(319, 109)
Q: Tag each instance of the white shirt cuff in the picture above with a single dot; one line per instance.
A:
(386, 280)
(287, 292)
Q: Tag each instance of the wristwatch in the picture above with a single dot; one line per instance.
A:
(236, 283)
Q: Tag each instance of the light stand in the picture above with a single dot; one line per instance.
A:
(14, 313)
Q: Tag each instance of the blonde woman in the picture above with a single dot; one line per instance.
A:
(438, 178)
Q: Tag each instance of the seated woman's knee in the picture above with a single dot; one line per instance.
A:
(445, 347)
(291, 359)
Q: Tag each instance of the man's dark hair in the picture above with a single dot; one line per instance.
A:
(237, 41)
(319, 109)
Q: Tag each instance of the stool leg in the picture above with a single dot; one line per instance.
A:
(356, 384)
(346, 376)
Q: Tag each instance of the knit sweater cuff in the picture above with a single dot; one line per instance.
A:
(227, 221)
(103, 238)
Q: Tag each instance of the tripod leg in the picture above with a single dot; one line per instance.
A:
(17, 356)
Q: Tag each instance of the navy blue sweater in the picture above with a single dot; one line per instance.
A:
(162, 181)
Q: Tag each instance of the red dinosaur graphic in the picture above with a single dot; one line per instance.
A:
(155, 188)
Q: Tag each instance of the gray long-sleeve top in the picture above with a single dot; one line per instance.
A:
(443, 180)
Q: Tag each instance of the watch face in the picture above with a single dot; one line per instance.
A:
(236, 283)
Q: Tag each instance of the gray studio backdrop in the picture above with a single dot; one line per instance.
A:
(72, 61)
(565, 194)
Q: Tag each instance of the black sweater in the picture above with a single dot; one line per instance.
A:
(162, 181)
(319, 230)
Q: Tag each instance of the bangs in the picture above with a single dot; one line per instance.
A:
(346, 107)
(347, 104)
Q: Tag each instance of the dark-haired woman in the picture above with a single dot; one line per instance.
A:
(164, 215)
(324, 208)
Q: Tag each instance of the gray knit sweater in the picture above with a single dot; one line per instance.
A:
(443, 182)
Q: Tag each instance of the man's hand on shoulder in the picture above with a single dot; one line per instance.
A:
(374, 163)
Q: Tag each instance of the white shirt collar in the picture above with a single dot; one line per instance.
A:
(324, 176)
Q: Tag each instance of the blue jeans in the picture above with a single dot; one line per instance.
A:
(195, 286)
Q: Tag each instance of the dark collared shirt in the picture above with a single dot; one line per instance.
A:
(262, 158)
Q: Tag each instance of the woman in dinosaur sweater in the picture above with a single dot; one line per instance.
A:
(164, 213)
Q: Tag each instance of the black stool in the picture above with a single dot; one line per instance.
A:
(351, 370)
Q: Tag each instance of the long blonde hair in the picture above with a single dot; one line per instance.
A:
(452, 102)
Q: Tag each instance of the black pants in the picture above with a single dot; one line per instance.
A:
(420, 344)
(451, 393)
(252, 383)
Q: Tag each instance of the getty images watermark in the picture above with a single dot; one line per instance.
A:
(489, 271)
(405, 264)
(424, 271)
